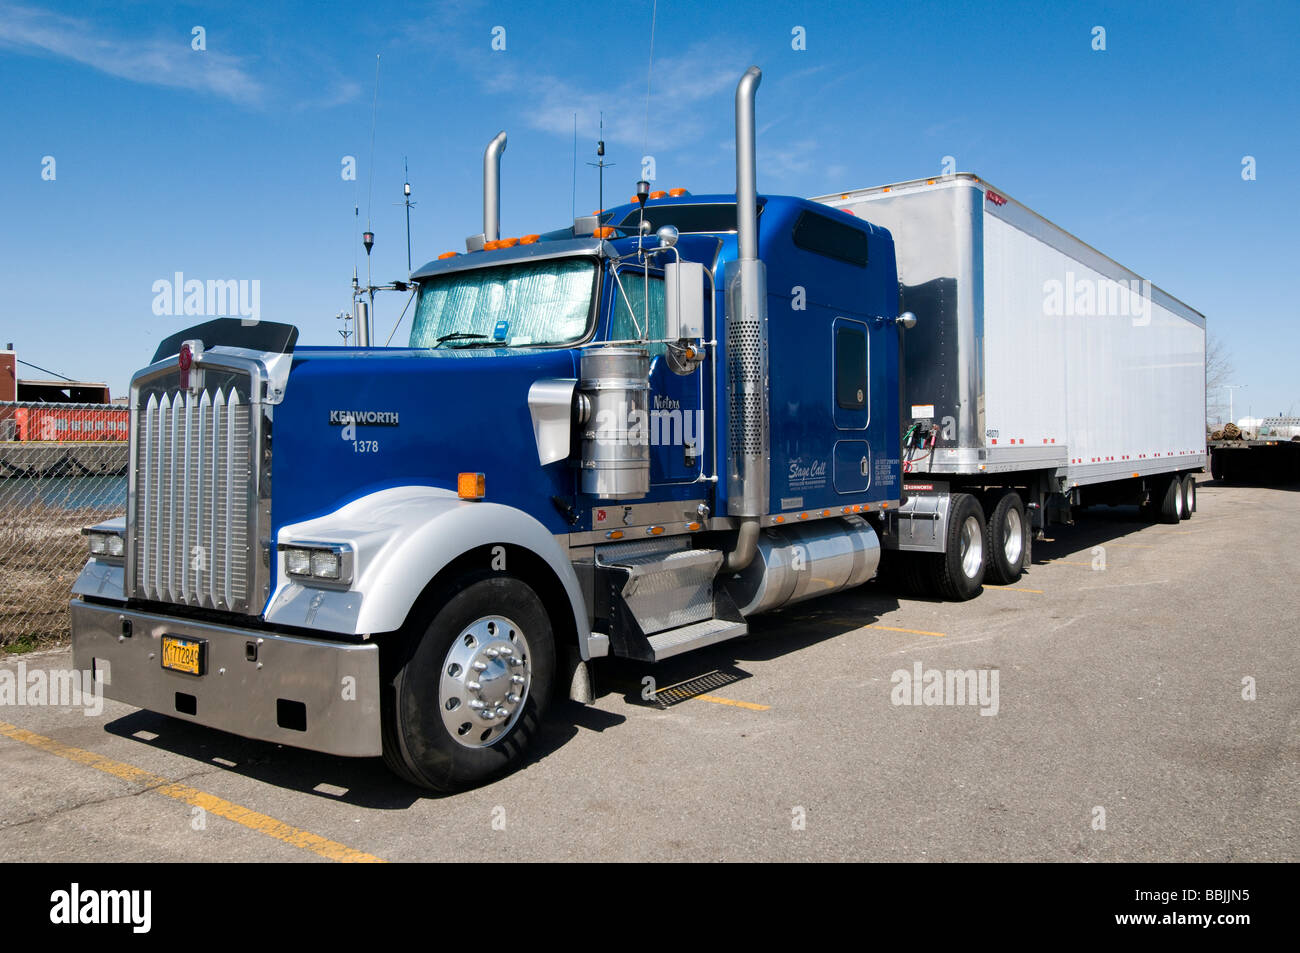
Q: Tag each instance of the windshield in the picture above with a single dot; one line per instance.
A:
(543, 302)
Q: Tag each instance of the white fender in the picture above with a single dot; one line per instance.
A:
(401, 538)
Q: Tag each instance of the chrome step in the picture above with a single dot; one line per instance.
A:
(695, 636)
(659, 600)
(667, 590)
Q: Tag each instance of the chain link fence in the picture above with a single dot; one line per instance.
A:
(62, 467)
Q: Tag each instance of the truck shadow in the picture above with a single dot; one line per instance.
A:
(361, 782)
(1093, 527)
(772, 635)
(1289, 484)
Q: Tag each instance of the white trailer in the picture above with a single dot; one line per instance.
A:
(1041, 375)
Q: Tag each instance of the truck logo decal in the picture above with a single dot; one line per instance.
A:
(363, 418)
(807, 476)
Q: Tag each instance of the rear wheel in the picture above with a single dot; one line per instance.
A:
(1007, 540)
(1171, 500)
(958, 573)
(467, 694)
(1189, 495)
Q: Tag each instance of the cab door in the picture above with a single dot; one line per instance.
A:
(851, 404)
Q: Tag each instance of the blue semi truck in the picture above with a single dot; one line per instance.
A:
(621, 438)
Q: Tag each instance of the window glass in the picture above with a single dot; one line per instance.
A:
(825, 236)
(622, 327)
(544, 302)
(850, 368)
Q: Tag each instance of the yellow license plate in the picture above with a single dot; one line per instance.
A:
(184, 655)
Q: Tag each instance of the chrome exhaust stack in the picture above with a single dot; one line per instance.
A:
(748, 443)
(491, 194)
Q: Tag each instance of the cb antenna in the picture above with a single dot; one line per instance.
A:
(406, 200)
(368, 236)
(602, 165)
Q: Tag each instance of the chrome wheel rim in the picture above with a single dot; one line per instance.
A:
(972, 547)
(1191, 495)
(485, 680)
(1014, 542)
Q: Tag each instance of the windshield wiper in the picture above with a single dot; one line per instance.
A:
(457, 335)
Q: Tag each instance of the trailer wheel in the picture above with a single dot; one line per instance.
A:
(1189, 495)
(467, 695)
(1007, 540)
(958, 572)
(1171, 500)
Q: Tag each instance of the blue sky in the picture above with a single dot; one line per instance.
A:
(225, 163)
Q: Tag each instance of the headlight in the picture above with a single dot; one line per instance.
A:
(325, 564)
(297, 562)
(318, 562)
(105, 541)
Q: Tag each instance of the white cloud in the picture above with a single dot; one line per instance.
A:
(684, 96)
(158, 62)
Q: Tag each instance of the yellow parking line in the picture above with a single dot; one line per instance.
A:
(1066, 562)
(891, 628)
(254, 821)
(1015, 589)
(728, 701)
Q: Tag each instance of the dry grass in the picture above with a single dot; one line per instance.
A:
(41, 553)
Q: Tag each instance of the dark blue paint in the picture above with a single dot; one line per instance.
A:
(467, 410)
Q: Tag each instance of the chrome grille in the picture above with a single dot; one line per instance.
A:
(191, 506)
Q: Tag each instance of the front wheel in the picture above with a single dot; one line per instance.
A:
(468, 691)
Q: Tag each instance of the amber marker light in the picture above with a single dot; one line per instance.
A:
(471, 486)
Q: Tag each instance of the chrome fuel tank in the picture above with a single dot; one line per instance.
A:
(794, 563)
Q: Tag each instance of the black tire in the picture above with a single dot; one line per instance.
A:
(958, 573)
(1171, 499)
(889, 572)
(916, 575)
(1007, 529)
(904, 573)
(1189, 495)
(483, 611)
(1216, 466)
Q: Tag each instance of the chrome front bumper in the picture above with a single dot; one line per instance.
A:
(303, 692)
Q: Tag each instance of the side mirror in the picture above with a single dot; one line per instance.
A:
(684, 300)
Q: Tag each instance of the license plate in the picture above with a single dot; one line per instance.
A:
(189, 656)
